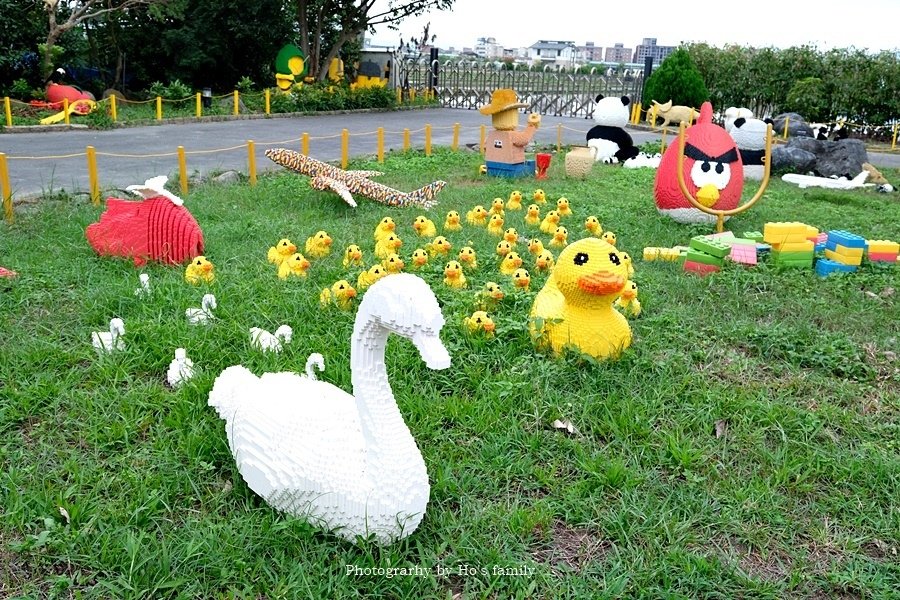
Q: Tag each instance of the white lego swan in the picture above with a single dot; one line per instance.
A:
(202, 315)
(271, 342)
(180, 369)
(107, 341)
(345, 463)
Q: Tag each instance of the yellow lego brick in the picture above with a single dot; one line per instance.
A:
(797, 246)
(883, 247)
(848, 252)
(651, 253)
(844, 260)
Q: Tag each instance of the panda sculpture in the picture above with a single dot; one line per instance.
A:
(750, 137)
(608, 136)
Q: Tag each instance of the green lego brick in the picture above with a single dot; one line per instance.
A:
(710, 246)
(808, 255)
(702, 257)
(756, 236)
(808, 263)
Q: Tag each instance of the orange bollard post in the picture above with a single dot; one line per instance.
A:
(304, 144)
(345, 148)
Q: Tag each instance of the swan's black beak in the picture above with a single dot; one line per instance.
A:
(432, 350)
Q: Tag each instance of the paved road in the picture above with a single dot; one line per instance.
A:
(132, 155)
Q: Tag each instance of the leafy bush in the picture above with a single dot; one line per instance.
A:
(22, 90)
(176, 90)
(677, 79)
(99, 118)
(809, 98)
(245, 85)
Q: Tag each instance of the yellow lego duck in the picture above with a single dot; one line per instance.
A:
(393, 263)
(535, 246)
(609, 237)
(626, 258)
(533, 215)
(295, 265)
(575, 306)
(510, 263)
(199, 269)
(511, 236)
(495, 225)
(467, 258)
(563, 208)
(419, 258)
(385, 227)
(550, 222)
(477, 216)
(367, 278)
(424, 227)
(353, 256)
(280, 251)
(318, 245)
(341, 293)
(453, 275)
(521, 279)
(451, 223)
(497, 207)
(544, 261)
(492, 291)
(539, 196)
(480, 321)
(515, 200)
(439, 246)
(387, 245)
(592, 224)
(560, 237)
(504, 248)
(628, 302)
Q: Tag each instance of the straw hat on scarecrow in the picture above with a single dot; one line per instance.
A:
(502, 100)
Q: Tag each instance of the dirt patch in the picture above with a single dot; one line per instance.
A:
(772, 566)
(568, 548)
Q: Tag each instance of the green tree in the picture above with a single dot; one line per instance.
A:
(21, 30)
(808, 98)
(677, 79)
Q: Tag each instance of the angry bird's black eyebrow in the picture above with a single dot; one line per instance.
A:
(698, 154)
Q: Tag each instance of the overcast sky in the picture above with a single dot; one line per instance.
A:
(871, 24)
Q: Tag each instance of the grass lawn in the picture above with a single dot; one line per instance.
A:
(745, 446)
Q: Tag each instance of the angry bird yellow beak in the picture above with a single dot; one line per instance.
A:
(708, 195)
(601, 283)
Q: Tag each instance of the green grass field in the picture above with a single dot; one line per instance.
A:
(745, 446)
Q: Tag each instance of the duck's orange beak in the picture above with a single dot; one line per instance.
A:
(207, 267)
(489, 326)
(601, 283)
(292, 248)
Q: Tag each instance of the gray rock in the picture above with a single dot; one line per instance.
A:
(227, 104)
(797, 125)
(227, 177)
(793, 159)
(843, 158)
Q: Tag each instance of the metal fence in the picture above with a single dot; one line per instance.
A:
(468, 84)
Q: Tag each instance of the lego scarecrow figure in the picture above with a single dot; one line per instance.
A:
(504, 150)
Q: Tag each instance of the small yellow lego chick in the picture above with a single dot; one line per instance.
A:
(539, 196)
(495, 225)
(367, 278)
(353, 256)
(609, 237)
(592, 224)
(393, 263)
(318, 245)
(385, 227)
(535, 246)
(480, 321)
(503, 248)
(626, 260)
(467, 258)
(424, 227)
(439, 246)
(341, 293)
(199, 269)
(521, 279)
(493, 291)
(533, 215)
(453, 275)
(511, 236)
(388, 245)
(628, 302)
(550, 222)
(562, 207)
(451, 223)
(544, 261)
(419, 258)
(296, 265)
(477, 216)
(560, 237)
(280, 251)
(515, 200)
(510, 263)
(497, 206)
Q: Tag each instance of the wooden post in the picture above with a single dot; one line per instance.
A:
(345, 148)
(455, 143)
(251, 161)
(427, 140)
(6, 189)
(92, 175)
(113, 108)
(381, 144)
(182, 171)
(304, 144)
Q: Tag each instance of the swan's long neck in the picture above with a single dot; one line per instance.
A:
(391, 451)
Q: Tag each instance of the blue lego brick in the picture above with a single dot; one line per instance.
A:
(821, 248)
(844, 238)
(499, 169)
(825, 267)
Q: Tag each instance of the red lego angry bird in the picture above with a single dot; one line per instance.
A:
(713, 172)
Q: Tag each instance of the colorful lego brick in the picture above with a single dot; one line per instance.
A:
(651, 253)
(819, 238)
(710, 246)
(697, 256)
(845, 238)
(882, 247)
(882, 257)
(805, 263)
(825, 267)
(788, 232)
(700, 268)
(743, 254)
(802, 246)
(844, 250)
(843, 258)
(780, 255)
(754, 235)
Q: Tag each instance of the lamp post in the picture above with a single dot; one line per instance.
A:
(206, 95)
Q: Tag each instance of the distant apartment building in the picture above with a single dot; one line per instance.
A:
(648, 47)
(551, 52)
(618, 53)
(487, 47)
(589, 53)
